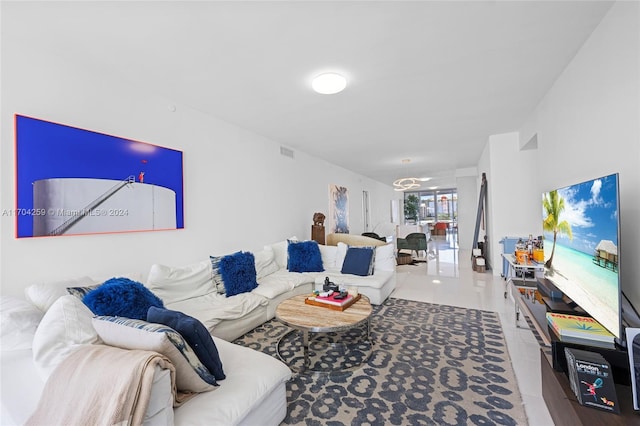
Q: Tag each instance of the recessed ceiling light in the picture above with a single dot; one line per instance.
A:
(329, 83)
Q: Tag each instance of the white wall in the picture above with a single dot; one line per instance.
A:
(513, 201)
(587, 125)
(240, 193)
(467, 209)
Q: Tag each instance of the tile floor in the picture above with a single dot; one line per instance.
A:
(447, 278)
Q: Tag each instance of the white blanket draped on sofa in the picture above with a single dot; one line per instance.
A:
(121, 382)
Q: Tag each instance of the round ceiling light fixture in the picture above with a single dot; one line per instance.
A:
(329, 83)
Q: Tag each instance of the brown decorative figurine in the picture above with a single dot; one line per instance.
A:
(318, 219)
(317, 229)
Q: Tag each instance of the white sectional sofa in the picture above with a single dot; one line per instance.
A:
(254, 391)
(230, 318)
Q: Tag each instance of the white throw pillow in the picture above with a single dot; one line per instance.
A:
(328, 254)
(64, 328)
(265, 263)
(43, 295)
(129, 333)
(280, 253)
(19, 320)
(177, 284)
(385, 258)
(340, 254)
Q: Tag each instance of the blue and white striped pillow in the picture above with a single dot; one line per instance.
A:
(126, 333)
(216, 277)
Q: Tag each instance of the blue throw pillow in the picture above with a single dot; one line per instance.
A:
(122, 297)
(304, 256)
(359, 261)
(196, 335)
(238, 272)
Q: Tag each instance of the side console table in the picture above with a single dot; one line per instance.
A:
(561, 402)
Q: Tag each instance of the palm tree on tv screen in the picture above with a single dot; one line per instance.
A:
(553, 206)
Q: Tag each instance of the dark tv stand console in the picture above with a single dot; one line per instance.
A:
(556, 390)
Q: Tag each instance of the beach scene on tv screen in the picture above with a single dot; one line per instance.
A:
(582, 261)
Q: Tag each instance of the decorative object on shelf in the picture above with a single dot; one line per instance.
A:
(318, 219)
(591, 380)
(317, 229)
(580, 329)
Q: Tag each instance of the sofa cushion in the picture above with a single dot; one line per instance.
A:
(196, 335)
(43, 295)
(173, 284)
(304, 256)
(272, 288)
(19, 320)
(279, 250)
(281, 282)
(341, 252)
(238, 271)
(359, 261)
(126, 333)
(385, 258)
(64, 328)
(122, 297)
(256, 376)
(265, 263)
(328, 254)
(213, 308)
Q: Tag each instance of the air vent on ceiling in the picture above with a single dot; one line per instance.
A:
(286, 152)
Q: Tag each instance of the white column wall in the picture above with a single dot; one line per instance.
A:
(467, 210)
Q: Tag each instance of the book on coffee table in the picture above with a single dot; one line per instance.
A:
(332, 302)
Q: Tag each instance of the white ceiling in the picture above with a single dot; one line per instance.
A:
(429, 81)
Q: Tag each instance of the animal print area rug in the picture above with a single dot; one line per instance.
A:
(430, 365)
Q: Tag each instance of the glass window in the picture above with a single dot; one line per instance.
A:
(427, 207)
(434, 206)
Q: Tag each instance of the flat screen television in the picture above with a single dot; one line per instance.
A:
(581, 229)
